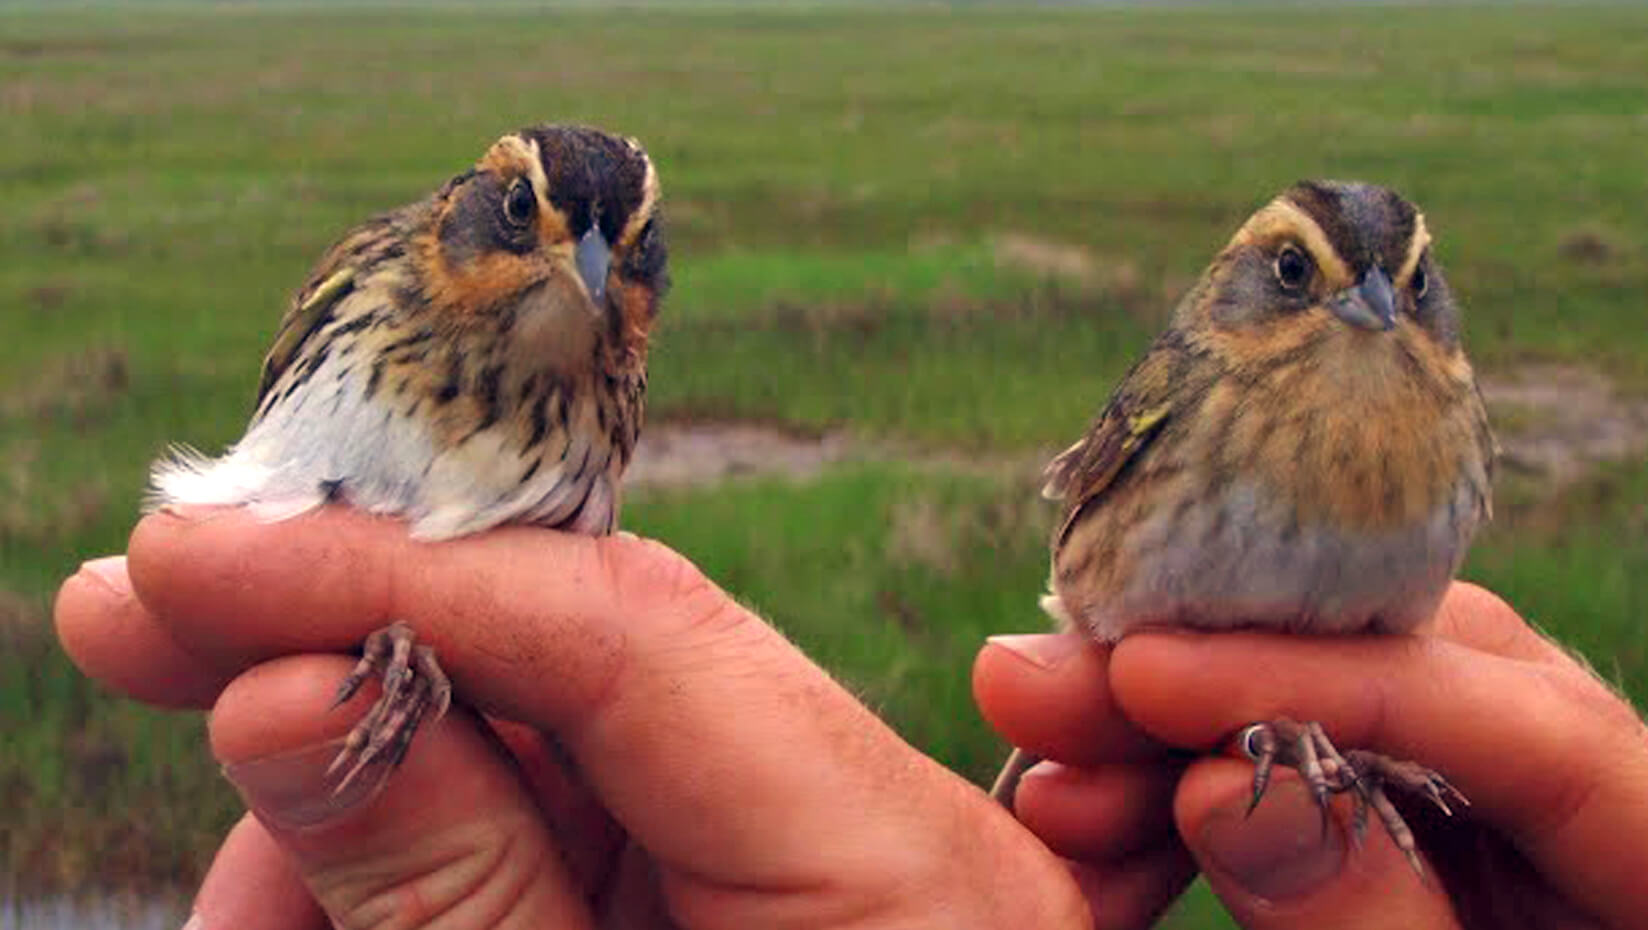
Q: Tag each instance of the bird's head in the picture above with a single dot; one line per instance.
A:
(555, 234)
(1334, 263)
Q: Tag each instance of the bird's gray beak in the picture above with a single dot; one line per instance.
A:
(1371, 304)
(594, 258)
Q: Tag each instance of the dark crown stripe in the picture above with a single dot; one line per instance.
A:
(1366, 225)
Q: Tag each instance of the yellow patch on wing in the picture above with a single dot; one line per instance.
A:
(1085, 471)
(300, 323)
(1141, 423)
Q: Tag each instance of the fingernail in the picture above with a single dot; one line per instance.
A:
(1279, 851)
(1045, 651)
(294, 790)
(1046, 768)
(110, 574)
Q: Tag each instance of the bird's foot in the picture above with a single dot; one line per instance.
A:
(1306, 748)
(1373, 773)
(413, 685)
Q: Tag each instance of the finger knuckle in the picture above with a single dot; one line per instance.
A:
(648, 576)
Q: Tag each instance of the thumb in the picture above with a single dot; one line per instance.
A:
(1276, 868)
(452, 837)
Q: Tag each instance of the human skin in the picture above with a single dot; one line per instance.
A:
(800, 808)
(1554, 763)
(723, 778)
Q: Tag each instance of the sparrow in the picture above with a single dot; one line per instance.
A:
(476, 358)
(1304, 450)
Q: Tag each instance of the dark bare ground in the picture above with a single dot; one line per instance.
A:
(1554, 424)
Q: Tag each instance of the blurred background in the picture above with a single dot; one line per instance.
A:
(913, 246)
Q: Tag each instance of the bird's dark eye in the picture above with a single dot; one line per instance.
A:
(1419, 283)
(519, 202)
(1292, 268)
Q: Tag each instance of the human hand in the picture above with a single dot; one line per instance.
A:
(1554, 763)
(1103, 796)
(723, 779)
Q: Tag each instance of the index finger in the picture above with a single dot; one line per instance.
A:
(1476, 617)
(233, 592)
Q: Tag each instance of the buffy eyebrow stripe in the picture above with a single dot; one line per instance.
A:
(1417, 244)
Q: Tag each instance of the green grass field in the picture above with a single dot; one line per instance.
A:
(840, 186)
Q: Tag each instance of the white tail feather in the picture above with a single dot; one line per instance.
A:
(185, 477)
